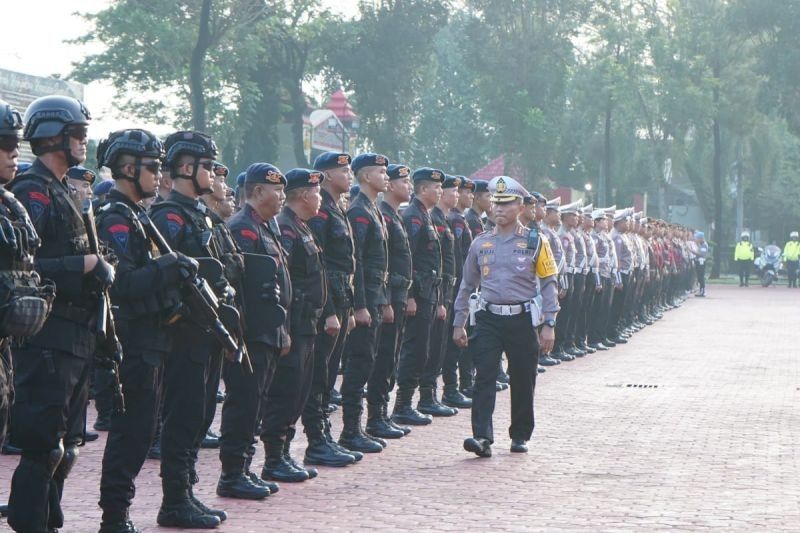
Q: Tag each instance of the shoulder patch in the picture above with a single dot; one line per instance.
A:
(37, 204)
(322, 214)
(120, 234)
(175, 223)
(249, 234)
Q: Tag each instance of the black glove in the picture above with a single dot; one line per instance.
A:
(8, 235)
(234, 267)
(103, 273)
(177, 266)
(271, 292)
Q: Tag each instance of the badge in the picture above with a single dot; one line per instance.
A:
(343, 160)
(485, 271)
(487, 245)
(501, 186)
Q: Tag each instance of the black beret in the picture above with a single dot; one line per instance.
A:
(451, 182)
(467, 183)
(303, 177)
(264, 173)
(81, 173)
(397, 172)
(481, 186)
(428, 174)
(369, 160)
(329, 160)
(220, 170)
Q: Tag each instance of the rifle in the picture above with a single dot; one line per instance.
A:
(202, 303)
(108, 343)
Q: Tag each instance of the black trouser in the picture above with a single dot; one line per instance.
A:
(327, 351)
(744, 271)
(701, 277)
(244, 390)
(288, 393)
(438, 348)
(415, 347)
(48, 417)
(382, 380)
(618, 306)
(6, 388)
(582, 324)
(598, 318)
(577, 303)
(466, 367)
(103, 383)
(362, 349)
(187, 371)
(515, 336)
(130, 435)
(791, 272)
(564, 315)
(452, 358)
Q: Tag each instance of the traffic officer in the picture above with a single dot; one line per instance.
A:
(596, 320)
(333, 234)
(591, 276)
(184, 222)
(263, 198)
(369, 301)
(791, 254)
(286, 397)
(743, 255)
(143, 289)
(382, 380)
(422, 306)
(52, 367)
(481, 203)
(550, 228)
(512, 265)
(569, 221)
(700, 261)
(429, 403)
(456, 362)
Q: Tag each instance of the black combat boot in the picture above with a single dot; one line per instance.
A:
(321, 452)
(117, 521)
(453, 398)
(177, 509)
(219, 513)
(353, 436)
(377, 426)
(233, 483)
(277, 468)
(273, 487)
(404, 413)
(385, 414)
(287, 454)
(428, 405)
(341, 449)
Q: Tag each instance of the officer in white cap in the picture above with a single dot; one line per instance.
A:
(791, 254)
(515, 270)
(744, 254)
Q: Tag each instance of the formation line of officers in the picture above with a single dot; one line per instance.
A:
(170, 285)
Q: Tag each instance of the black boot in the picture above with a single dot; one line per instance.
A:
(429, 406)
(117, 522)
(287, 454)
(320, 452)
(177, 510)
(353, 437)
(377, 426)
(233, 483)
(103, 421)
(273, 487)
(277, 468)
(219, 513)
(336, 397)
(453, 398)
(338, 447)
(404, 413)
(385, 414)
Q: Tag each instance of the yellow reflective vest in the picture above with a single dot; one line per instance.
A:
(744, 251)
(791, 252)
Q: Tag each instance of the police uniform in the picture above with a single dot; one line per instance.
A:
(291, 385)
(426, 256)
(559, 256)
(598, 315)
(791, 254)
(570, 306)
(244, 390)
(473, 218)
(333, 232)
(624, 264)
(369, 292)
(52, 367)
(592, 282)
(382, 380)
(511, 269)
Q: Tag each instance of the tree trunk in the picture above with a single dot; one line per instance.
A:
(197, 97)
(298, 100)
(604, 190)
(715, 269)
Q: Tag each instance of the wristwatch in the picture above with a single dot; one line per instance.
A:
(550, 323)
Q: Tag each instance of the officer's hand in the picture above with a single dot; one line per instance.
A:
(363, 318)
(178, 266)
(285, 350)
(388, 314)
(411, 307)
(547, 338)
(271, 292)
(103, 273)
(8, 238)
(351, 323)
(332, 326)
(460, 337)
(441, 312)
(618, 287)
(598, 288)
(562, 293)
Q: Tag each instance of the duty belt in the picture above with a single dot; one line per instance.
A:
(344, 276)
(508, 309)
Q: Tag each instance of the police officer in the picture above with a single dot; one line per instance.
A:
(596, 322)
(591, 277)
(264, 195)
(291, 385)
(369, 301)
(743, 256)
(422, 305)
(506, 262)
(82, 179)
(382, 380)
(481, 203)
(624, 264)
(791, 254)
(139, 294)
(429, 403)
(52, 366)
(550, 228)
(569, 305)
(183, 221)
(333, 234)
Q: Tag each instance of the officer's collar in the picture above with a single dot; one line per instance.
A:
(40, 169)
(328, 198)
(175, 196)
(252, 213)
(115, 195)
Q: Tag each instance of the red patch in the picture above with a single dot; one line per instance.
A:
(249, 234)
(119, 228)
(39, 197)
(440, 229)
(322, 214)
(388, 219)
(175, 218)
(416, 221)
(289, 233)
(362, 220)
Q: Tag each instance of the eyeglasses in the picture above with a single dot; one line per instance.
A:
(208, 165)
(152, 166)
(79, 133)
(9, 143)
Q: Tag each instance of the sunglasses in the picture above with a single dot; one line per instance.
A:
(208, 165)
(153, 167)
(79, 133)
(8, 143)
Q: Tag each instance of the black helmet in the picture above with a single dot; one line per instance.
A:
(10, 121)
(192, 143)
(48, 116)
(135, 142)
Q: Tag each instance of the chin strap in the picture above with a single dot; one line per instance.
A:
(197, 189)
(62, 147)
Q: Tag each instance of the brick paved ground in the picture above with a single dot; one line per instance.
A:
(714, 446)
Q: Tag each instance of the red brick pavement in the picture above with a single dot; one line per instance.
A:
(713, 446)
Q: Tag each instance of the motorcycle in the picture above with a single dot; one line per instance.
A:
(769, 264)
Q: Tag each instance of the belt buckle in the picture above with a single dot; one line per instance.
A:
(505, 310)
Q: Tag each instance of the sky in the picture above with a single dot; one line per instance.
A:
(45, 53)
